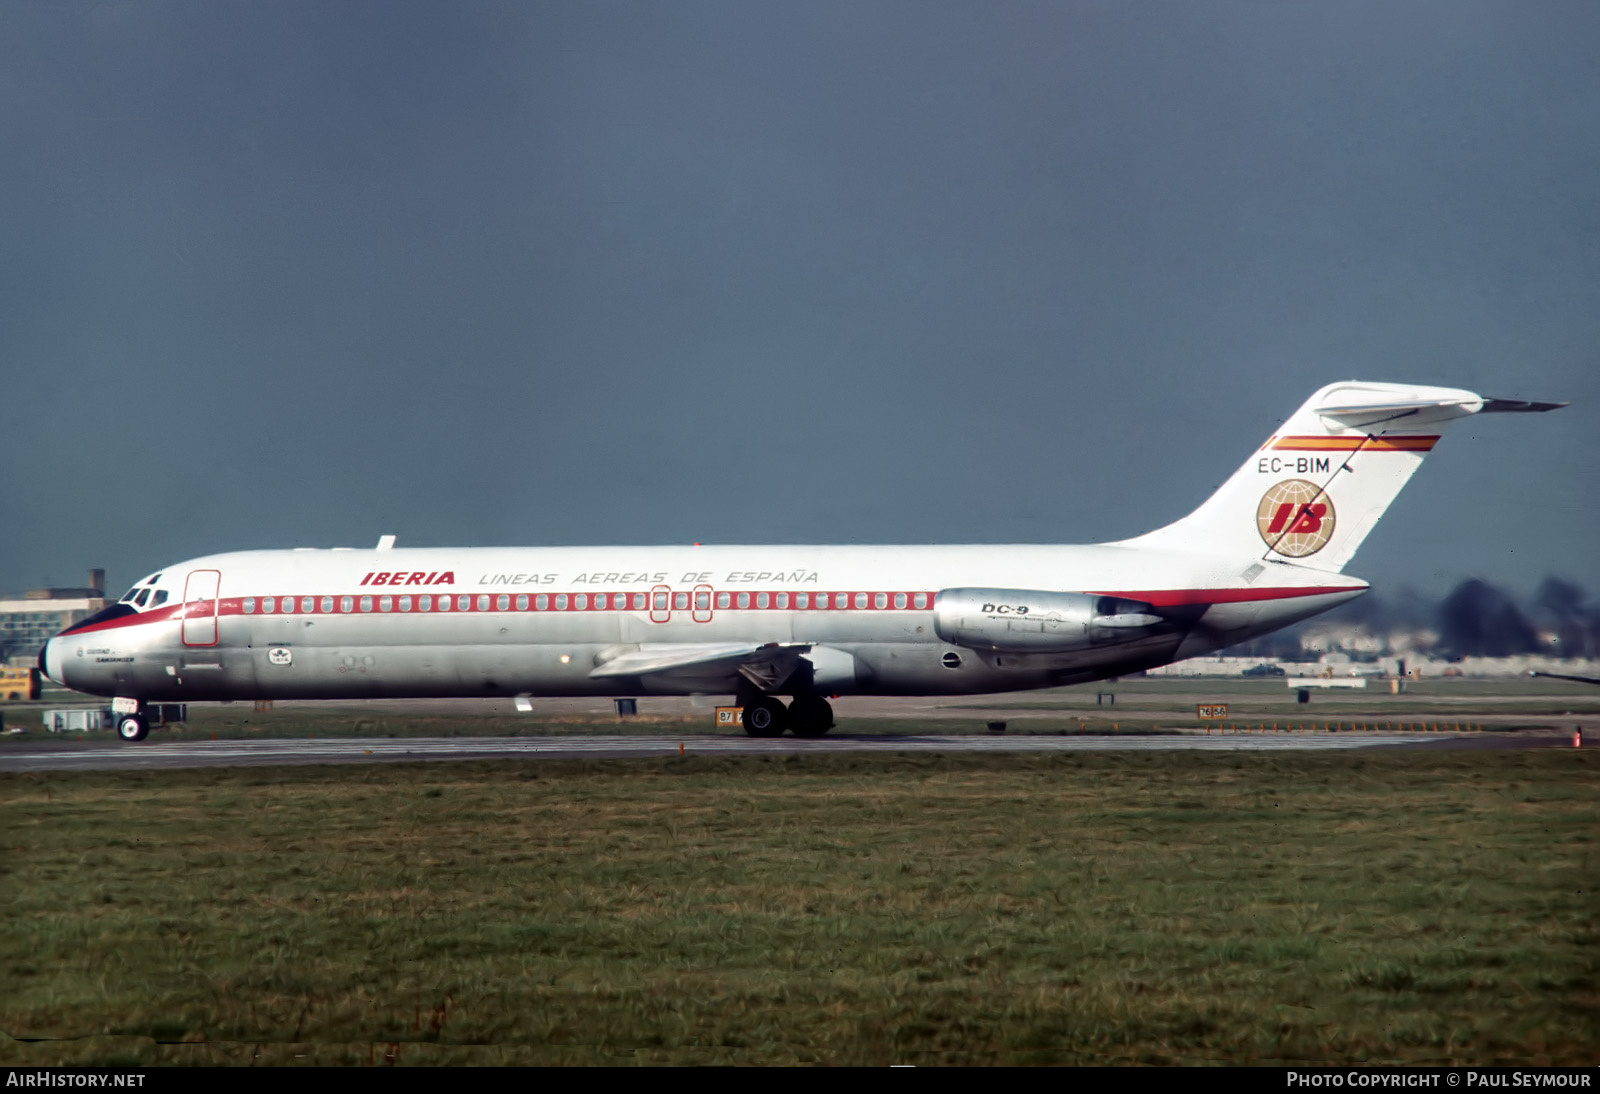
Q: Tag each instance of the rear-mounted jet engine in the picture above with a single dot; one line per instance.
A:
(1030, 621)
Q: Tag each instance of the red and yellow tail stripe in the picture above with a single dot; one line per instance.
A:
(1415, 443)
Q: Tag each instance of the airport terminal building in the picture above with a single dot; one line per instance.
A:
(29, 620)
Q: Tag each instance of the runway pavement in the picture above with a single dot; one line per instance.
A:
(148, 756)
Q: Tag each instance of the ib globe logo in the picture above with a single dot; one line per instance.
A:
(1295, 518)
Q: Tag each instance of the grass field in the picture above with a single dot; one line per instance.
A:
(1411, 907)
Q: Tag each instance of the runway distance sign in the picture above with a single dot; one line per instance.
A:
(1213, 711)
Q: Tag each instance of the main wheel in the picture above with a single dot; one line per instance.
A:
(765, 717)
(131, 727)
(810, 716)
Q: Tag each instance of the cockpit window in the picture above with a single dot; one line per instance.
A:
(153, 579)
(129, 595)
(159, 599)
(142, 598)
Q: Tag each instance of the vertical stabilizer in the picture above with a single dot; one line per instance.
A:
(1313, 491)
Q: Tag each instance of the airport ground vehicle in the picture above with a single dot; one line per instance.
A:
(19, 682)
(1266, 550)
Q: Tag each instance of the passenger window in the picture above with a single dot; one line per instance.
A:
(267, 605)
(385, 604)
(522, 602)
(861, 600)
(920, 600)
(744, 600)
(425, 603)
(899, 600)
(444, 603)
(783, 600)
(249, 605)
(561, 602)
(347, 603)
(580, 602)
(702, 601)
(541, 603)
(502, 603)
(366, 603)
(464, 603)
(405, 603)
(660, 602)
(802, 600)
(638, 602)
(723, 600)
(880, 600)
(308, 604)
(761, 600)
(680, 601)
(483, 602)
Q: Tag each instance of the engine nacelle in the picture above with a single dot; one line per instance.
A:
(1031, 621)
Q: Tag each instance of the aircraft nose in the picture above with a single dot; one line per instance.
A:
(50, 660)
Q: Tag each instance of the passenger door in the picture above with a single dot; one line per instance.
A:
(200, 607)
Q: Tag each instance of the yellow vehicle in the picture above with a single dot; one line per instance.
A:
(19, 683)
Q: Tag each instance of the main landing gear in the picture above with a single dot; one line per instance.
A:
(807, 716)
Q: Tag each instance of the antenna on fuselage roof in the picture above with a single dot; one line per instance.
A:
(385, 543)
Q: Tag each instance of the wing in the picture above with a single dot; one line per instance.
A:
(767, 665)
(1564, 676)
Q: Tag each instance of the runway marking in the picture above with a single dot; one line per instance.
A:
(184, 754)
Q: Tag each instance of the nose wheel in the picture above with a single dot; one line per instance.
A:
(133, 727)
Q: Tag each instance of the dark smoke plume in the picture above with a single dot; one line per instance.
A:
(1478, 620)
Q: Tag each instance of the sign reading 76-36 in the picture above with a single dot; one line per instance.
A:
(1213, 711)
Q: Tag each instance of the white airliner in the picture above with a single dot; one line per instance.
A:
(1267, 549)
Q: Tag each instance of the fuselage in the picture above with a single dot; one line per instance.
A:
(547, 621)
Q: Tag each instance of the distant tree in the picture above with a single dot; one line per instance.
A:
(1479, 620)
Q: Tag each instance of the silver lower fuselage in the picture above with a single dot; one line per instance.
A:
(493, 654)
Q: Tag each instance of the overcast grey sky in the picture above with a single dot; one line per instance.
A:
(301, 274)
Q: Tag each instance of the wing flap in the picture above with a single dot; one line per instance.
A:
(649, 660)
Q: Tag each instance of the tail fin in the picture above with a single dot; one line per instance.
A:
(1312, 493)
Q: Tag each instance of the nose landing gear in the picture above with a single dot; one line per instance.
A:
(132, 727)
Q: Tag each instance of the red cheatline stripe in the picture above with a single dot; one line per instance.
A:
(815, 601)
(1350, 444)
(155, 615)
(1178, 598)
